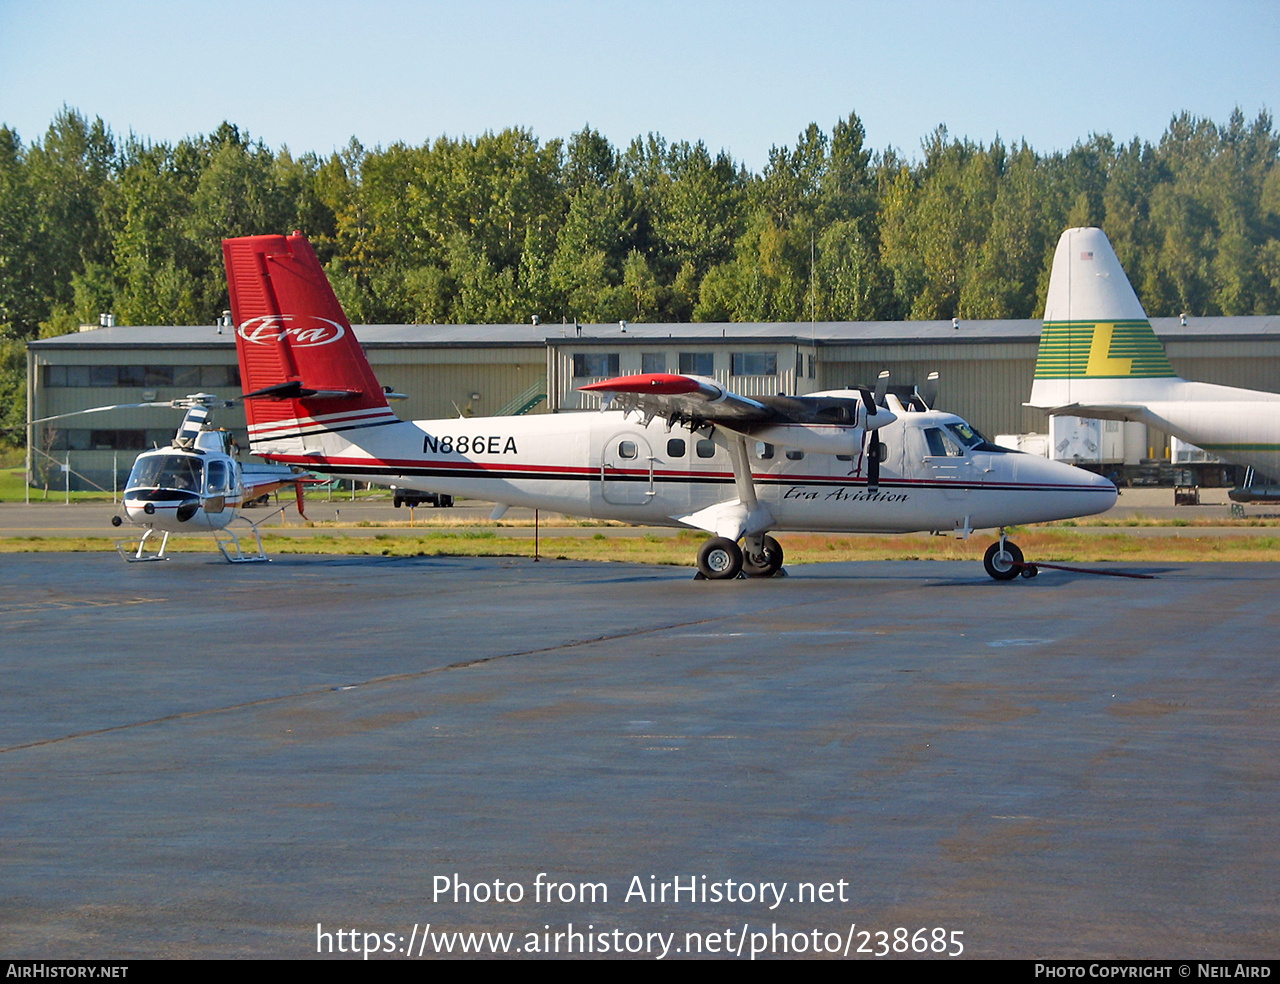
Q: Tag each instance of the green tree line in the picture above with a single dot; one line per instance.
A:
(501, 227)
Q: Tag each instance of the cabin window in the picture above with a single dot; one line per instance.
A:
(697, 363)
(675, 447)
(795, 455)
(626, 449)
(653, 362)
(764, 451)
(705, 448)
(844, 457)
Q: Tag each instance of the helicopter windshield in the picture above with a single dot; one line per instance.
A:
(166, 471)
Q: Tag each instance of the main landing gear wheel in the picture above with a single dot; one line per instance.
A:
(766, 563)
(719, 559)
(1003, 561)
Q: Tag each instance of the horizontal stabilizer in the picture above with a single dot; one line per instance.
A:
(1096, 411)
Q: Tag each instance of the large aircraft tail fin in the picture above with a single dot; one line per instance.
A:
(300, 363)
(1094, 329)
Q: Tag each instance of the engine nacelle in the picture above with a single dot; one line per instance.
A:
(815, 438)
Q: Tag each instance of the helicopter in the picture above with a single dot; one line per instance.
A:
(195, 485)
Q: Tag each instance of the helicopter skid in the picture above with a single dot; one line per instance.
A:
(135, 551)
(229, 544)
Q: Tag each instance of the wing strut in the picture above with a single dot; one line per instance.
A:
(743, 515)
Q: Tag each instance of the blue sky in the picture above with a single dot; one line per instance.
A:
(741, 76)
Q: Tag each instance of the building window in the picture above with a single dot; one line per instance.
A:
(653, 361)
(595, 364)
(810, 360)
(98, 439)
(697, 363)
(754, 363)
(188, 378)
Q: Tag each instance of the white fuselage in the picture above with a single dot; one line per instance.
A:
(609, 466)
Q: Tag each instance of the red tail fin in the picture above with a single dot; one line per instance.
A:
(299, 359)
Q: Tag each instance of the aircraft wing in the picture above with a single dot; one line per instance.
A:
(693, 399)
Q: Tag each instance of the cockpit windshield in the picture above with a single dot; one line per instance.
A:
(965, 434)
(971, 439)
(167, 471)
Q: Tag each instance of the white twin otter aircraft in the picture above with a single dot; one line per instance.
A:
(670, 450)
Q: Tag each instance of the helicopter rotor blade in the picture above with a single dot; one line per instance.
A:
(116, 406)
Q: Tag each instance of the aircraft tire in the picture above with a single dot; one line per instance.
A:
(771, 557)
(1003, 565)
(719, 559)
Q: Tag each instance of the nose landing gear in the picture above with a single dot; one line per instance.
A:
(1004, 561)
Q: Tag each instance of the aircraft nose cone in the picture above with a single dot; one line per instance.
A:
(1097, 492)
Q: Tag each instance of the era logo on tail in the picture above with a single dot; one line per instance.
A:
(309, 332)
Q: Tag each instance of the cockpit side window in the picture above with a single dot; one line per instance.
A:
(218, 477)
(941, 444)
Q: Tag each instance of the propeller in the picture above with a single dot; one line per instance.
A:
(928, 393)
(882, 386)
(868, 401)
(872, 452)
